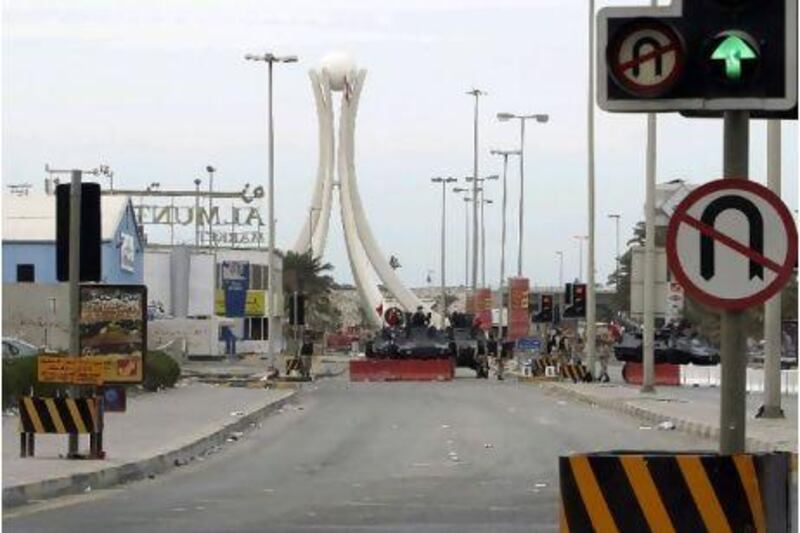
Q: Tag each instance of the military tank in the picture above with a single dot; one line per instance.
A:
(468, 344)
(408, 336)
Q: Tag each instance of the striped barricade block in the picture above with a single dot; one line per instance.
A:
(540, 365)
(68, 416)
(674, 492)
(575, 372)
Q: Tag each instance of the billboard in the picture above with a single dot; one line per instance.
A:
(113, 325)
(518, 314)
(235, 282)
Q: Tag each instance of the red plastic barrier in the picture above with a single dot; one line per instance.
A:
(664, 374)
(401, 370)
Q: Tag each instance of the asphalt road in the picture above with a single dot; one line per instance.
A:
(464, 456)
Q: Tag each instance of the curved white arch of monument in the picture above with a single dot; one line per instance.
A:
(347, 172)
(322, 199)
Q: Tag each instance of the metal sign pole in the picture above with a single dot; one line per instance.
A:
(732, 342)
(74, 285)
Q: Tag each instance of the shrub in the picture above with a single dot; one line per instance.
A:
(160, 371)
(19, 377)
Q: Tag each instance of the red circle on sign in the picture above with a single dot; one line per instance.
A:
(618, 69)
(788, 264)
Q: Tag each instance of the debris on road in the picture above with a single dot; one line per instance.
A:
(667, 425)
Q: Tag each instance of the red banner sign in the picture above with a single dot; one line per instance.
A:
(483, 308)
(518, 314)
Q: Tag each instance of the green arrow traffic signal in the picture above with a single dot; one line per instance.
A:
(733, 50)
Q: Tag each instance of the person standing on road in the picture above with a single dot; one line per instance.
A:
(604, 355)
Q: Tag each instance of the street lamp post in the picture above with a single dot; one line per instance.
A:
(477, 93)
(616, 218)
(541, 118)
(560, 255)
(591, 336)
(210, 171)
(444, 182)
(483, 202)
(459, 190)
(269, 59)
(197, 183)
(580, 239)
(504, 154)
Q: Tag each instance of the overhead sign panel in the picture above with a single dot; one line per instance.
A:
(699, 56)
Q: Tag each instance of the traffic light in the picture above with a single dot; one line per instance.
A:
(90, 224)
(545, 314)
(575, 306)
(700, 56)
(567, 295)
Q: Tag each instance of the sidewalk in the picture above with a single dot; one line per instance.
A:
(693, 410)
(157, 431)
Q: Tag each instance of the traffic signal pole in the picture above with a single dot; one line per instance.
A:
(733, 351)
(648, 335)
(74, 286)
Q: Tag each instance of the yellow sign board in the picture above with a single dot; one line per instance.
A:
(256, 303)
(76, 370)
(219, 302)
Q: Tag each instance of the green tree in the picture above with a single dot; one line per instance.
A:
(310, 276)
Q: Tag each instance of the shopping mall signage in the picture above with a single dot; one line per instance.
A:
(187, 216)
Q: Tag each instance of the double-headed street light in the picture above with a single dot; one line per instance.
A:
(444, 182)
(482, 225)
(504, 154)
(269, 59)
(540, 118)
(467, 199)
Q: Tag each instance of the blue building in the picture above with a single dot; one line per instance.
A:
(29, 234)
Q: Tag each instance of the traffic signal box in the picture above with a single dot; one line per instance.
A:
(545, 314)
(699, 56)
(90, 225)
(575, 301)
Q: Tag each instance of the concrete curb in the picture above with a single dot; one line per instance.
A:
(690, 427)
(136, 470)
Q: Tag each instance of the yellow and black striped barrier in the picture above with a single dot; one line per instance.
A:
(70, 416)
(674, 492)
(539, 366)
(575, 371)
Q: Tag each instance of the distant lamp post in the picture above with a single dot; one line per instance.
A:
(581, 239)
(467, 199)
(210, 171)
(197, 183)
(560, 255)
(477, 93)
(616, 218)
(269, 59)
(542, 119)
(444, 182)
(482, 203)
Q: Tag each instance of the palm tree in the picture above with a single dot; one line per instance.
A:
(309, 275)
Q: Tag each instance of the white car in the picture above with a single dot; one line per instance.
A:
(15, 348)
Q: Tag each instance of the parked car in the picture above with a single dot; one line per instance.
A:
(14, 348)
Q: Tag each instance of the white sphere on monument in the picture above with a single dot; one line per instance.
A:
(338, 65)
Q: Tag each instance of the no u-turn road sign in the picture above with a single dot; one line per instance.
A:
(732, 244)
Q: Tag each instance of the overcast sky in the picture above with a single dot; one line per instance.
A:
(159, 89)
